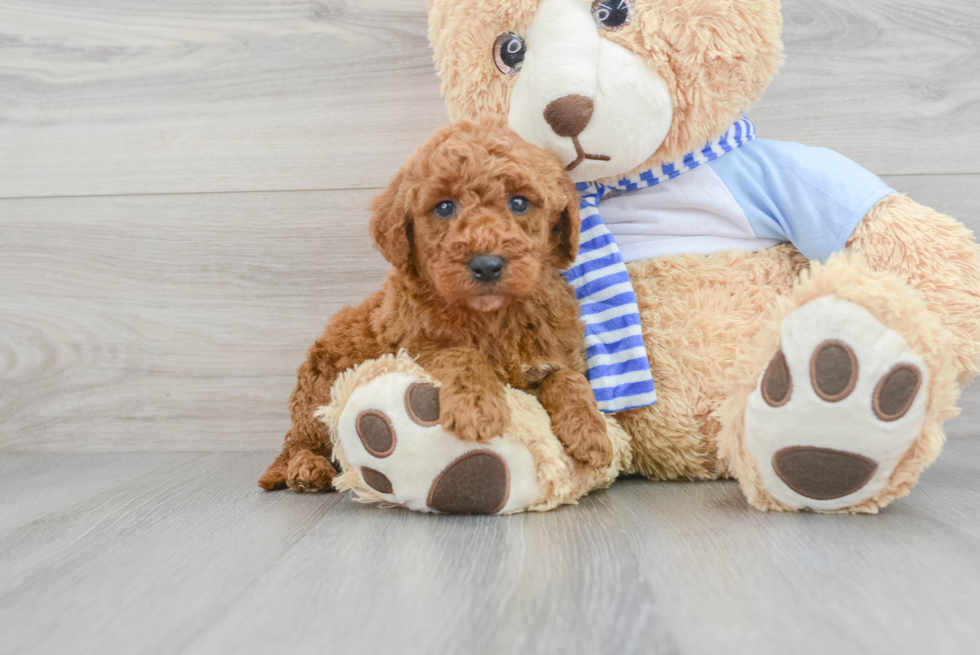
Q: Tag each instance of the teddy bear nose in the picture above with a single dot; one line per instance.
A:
(568, 115)
(487, 268)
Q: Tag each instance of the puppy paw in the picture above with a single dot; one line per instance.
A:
(274, 477)
(477, 417)
(308, 472)
(837, 408)
(582, 431)
(393, 439)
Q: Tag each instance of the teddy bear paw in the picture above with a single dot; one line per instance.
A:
(392, 438)
(837, 408)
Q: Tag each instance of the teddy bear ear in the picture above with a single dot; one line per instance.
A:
(392, 229)
(565, 227)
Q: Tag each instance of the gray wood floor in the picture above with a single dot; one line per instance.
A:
(181, 553)
(183, 187)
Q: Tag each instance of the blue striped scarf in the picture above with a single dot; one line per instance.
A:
(619, 370)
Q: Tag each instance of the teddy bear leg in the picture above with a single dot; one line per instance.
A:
(839, 404)
(385, 428)
(393, 449)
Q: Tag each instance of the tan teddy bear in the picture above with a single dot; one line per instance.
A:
(807, 329)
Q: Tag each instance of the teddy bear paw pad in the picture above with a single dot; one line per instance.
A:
(837, 408)
(390, 433)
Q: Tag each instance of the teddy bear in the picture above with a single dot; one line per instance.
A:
(754, 309)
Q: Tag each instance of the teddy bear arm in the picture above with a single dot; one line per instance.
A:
(937, 255)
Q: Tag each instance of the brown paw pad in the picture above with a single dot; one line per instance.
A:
(376, 432)
(376, 480)
(822, 473)
(422, 403)
(777, 383)
(833, 371)
(895, 392)
(475, 483)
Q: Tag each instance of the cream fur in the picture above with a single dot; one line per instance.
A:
(716, 57)
(561, 479)
(630, 118)
(898, 307)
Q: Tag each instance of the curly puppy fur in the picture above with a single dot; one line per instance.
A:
(474, 337)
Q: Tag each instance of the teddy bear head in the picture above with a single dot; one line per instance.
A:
(613, 87)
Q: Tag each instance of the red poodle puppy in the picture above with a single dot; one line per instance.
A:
(478, 226)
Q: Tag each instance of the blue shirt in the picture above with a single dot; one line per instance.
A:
(755, 196)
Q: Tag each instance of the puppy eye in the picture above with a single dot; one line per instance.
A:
(508, 53)
(518, 205)
(612, 15)
(445, 209)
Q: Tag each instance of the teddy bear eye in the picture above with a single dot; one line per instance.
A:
(445, 209)
(508, 53)
(518, 205)
(612, 15)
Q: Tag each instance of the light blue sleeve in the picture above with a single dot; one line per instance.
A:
(812, 197)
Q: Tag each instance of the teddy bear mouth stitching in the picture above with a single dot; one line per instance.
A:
(581, 155)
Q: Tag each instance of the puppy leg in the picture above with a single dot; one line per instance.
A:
(304, 463)
(471, 399)
(575, 418)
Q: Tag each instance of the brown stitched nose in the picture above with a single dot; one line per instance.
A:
(568, 115)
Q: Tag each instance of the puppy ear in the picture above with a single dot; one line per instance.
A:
(392, 229)
(565, 228)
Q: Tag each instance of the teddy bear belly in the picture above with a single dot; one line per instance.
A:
(697, 311)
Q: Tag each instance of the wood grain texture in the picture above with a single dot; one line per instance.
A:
(903, 581)
(892, 84)
(177, 322)
(145, 565)
(140, 96)
(169, 322)
(184, 555)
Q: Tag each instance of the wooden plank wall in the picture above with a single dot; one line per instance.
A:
(183, 187)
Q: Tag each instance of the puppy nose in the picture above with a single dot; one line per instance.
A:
(568, 115)
(487, 268)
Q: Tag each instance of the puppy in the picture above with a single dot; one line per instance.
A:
(478, 226)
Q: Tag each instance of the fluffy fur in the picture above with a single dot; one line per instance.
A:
(898, 307)
(717, 57)
(561, 479)
(474, 337)
(709, 321)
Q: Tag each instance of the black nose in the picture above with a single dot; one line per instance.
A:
(487, 268)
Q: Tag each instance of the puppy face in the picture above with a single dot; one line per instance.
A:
(480, 214)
